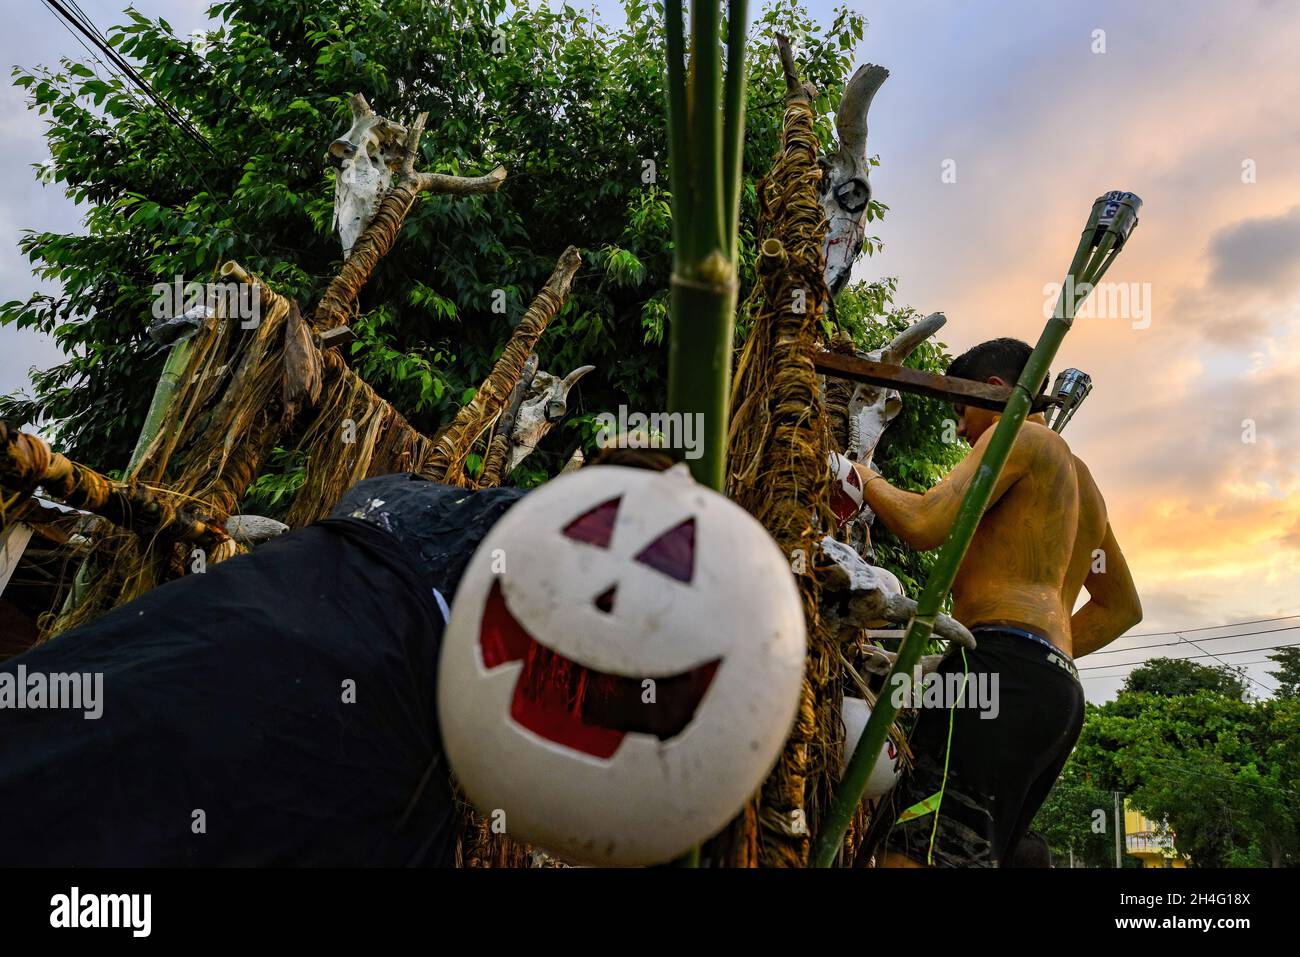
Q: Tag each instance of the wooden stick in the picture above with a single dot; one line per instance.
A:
(948, 388)
(26, 461)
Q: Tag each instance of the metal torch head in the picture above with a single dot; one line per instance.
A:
(1114, 212)
(1070, 389)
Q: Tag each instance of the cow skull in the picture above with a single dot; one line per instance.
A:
(845, 188)
(366, 158)
(873, 407)
(855, 595)
(543, 406)
(870, 410)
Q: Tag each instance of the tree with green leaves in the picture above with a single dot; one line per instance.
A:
(1219, 771)
(1287, 675)
(1175, 676)
(572, 106)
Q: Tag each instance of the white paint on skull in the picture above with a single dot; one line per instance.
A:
(845, 189)
(545, 404)
(889, 763)
(366, 158)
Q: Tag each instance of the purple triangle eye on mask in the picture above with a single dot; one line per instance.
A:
(673, 552)
(595, 527)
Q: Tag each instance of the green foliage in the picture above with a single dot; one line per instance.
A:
(1288, 674)
(272, 493)
(571, 106)
(1222, 772)
(1078, 817)
(1174, 676)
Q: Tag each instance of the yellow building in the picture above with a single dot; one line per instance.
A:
(1149, 842)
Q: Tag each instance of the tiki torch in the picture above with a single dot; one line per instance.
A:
(1070, 389)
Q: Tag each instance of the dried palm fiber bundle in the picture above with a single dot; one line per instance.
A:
(777, 447)
(838, 392)
(144, 541)
(474, 420)
(498, 450)
(26, 461)
(353, 434)
(233, 391)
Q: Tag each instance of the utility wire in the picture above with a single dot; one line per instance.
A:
(1169, 644)
(1241, 651)
(1187, 631)
(85, 26)
(167, 109)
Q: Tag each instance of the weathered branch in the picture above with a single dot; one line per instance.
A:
(448, 458)
(26, 461)
(797, 91)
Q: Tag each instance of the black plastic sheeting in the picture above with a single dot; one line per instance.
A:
(226, 736)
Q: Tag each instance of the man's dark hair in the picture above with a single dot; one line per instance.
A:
(1004, 358)
(1032, 851)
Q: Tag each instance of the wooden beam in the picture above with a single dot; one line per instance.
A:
(12, 542)
(949, 389)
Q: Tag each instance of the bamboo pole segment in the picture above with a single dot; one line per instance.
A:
(1113, 218)
(704, 167)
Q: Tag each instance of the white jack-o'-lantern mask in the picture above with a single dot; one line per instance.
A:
(622, 665)
(889, 763)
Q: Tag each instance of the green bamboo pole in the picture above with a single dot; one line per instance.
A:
(168, 380)
(1113, 217)
(705, 145)
(705, 148)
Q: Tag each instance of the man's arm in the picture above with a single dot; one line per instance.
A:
(1113, 606)
(922, 521)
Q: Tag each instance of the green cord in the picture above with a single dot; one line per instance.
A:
(934, 830)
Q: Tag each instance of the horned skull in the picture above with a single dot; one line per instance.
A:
(856, 595)
(870, 410)
(366, 158)
(873, 407)
(845, 188)
(545, 404)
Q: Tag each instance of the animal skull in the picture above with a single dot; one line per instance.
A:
(845, 189)
(366, 158)
(872, 408)
(543, 406)
(856, 595)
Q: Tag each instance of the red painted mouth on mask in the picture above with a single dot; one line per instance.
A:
(581, 708)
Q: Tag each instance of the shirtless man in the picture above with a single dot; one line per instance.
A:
(1044, 536)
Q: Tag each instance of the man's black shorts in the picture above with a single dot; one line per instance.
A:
(1005, 754)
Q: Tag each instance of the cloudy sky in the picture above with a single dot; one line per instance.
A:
(999, 125)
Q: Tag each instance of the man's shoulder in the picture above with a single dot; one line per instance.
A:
(1042, 441)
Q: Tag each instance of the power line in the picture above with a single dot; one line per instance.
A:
(1240, 651)
(1169, 644)
(85, 26)
(167, 109)
(1187, 631)
(1225, 664)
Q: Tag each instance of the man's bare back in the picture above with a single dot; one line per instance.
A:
(1043, 538)
(1015, 570)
